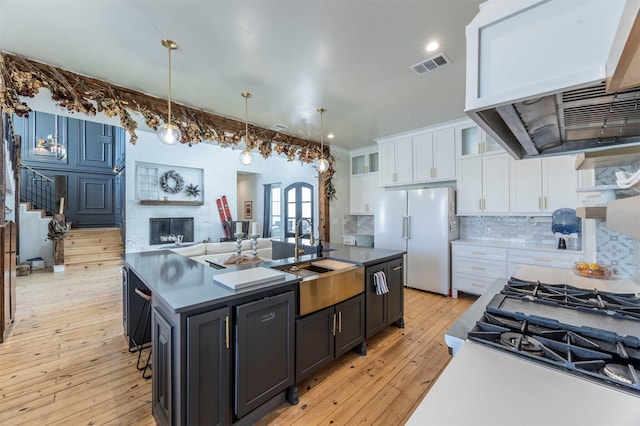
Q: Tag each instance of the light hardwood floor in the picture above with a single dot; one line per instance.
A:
(65, 361)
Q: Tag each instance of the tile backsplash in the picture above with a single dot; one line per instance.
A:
(358, 224)
(613, 248)
(508, 229)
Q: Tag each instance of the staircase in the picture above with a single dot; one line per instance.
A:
(92, 247)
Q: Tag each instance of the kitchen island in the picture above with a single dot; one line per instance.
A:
(495, 387)
(229, 356)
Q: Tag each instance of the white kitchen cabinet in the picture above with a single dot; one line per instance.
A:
(475, 267)
(482, 173)
(547, 258)
(483, 184)
(364, 162)
(434, 157)
(364, 182)
(472, 141)
(396, 161)
(424, 156)
(542, 185)
(363, 192)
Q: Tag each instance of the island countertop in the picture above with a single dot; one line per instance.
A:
(184, 284)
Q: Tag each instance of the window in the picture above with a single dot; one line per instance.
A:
(273, 211)
(298, 199)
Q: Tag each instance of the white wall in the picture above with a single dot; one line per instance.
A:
(221, 167)
(340, 206)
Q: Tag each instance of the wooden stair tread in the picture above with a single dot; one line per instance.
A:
(92, 247)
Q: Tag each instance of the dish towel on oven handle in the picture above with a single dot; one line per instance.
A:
(380, 282)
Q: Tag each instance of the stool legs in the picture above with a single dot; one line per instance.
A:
(138, 347)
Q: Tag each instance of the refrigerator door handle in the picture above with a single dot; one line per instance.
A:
(407, 221)
(404, 227)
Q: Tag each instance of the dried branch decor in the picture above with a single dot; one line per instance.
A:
(23, 77)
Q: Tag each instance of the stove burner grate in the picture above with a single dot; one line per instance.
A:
(521, 342)
(619, 304)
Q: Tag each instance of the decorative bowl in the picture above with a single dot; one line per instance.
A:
(592, 270)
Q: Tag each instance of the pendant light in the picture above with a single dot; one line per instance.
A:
(323, 164)
(246, 157)
(169, 133)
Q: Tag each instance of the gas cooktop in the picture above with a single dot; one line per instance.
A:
(592, 334)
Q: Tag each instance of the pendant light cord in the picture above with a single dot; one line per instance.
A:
(169, 95)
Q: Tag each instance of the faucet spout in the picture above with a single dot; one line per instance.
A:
(296, 251)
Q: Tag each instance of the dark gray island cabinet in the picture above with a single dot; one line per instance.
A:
(219, 356)
(385, 309)
(223, 356)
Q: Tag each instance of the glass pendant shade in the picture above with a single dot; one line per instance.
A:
(169, 134)
(246, 157)
(323, 165)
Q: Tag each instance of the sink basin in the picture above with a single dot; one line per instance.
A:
(303, 270)
(322, 287)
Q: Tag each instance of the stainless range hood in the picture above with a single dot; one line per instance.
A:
(537, 75)
(571, 121)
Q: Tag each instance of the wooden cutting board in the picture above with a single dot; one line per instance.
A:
(333, 264)
(249, 277)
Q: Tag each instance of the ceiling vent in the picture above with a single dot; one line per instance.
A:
(277, 127)
(431, 64)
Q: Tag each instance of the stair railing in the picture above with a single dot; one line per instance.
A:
(38, 190)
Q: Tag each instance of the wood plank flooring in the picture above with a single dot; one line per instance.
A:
(65, 361)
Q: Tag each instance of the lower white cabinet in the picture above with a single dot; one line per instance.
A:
(476, 267)
(550, 259)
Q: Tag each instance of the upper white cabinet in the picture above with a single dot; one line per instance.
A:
(364, 162)
(472, 141)
(434, 155)
(396, 161)
(542, 185)
(483, 172)
(364, 182)
(423, 156)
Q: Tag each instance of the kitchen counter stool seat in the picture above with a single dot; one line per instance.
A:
(139, 347)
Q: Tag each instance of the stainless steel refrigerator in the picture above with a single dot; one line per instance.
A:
(422, 222)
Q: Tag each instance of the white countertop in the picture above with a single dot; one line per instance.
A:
(482, 386)
(616, 284)
(507, 245)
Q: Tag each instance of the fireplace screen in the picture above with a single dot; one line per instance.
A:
(164, 230)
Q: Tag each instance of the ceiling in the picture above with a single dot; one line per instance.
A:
(352, 57)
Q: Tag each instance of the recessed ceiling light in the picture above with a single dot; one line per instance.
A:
(330, 136)
(434, 45)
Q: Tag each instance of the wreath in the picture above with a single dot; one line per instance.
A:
(171, 182)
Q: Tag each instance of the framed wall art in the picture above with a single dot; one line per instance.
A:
(248, 209)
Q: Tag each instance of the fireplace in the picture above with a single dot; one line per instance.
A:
(164, 230)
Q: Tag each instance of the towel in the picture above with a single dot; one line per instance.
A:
(380, 282)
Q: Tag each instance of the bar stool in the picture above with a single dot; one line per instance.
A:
(146, 313)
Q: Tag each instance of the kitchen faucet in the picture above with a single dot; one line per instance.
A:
(296, 251)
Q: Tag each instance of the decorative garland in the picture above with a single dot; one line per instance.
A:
(171, 182)
(23, 77)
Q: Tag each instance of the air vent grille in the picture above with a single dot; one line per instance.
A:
(277, 127)
(431, 64)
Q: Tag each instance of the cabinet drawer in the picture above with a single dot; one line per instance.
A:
(557, 259)
(478, 252)
(470, 283)
(480, 267)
